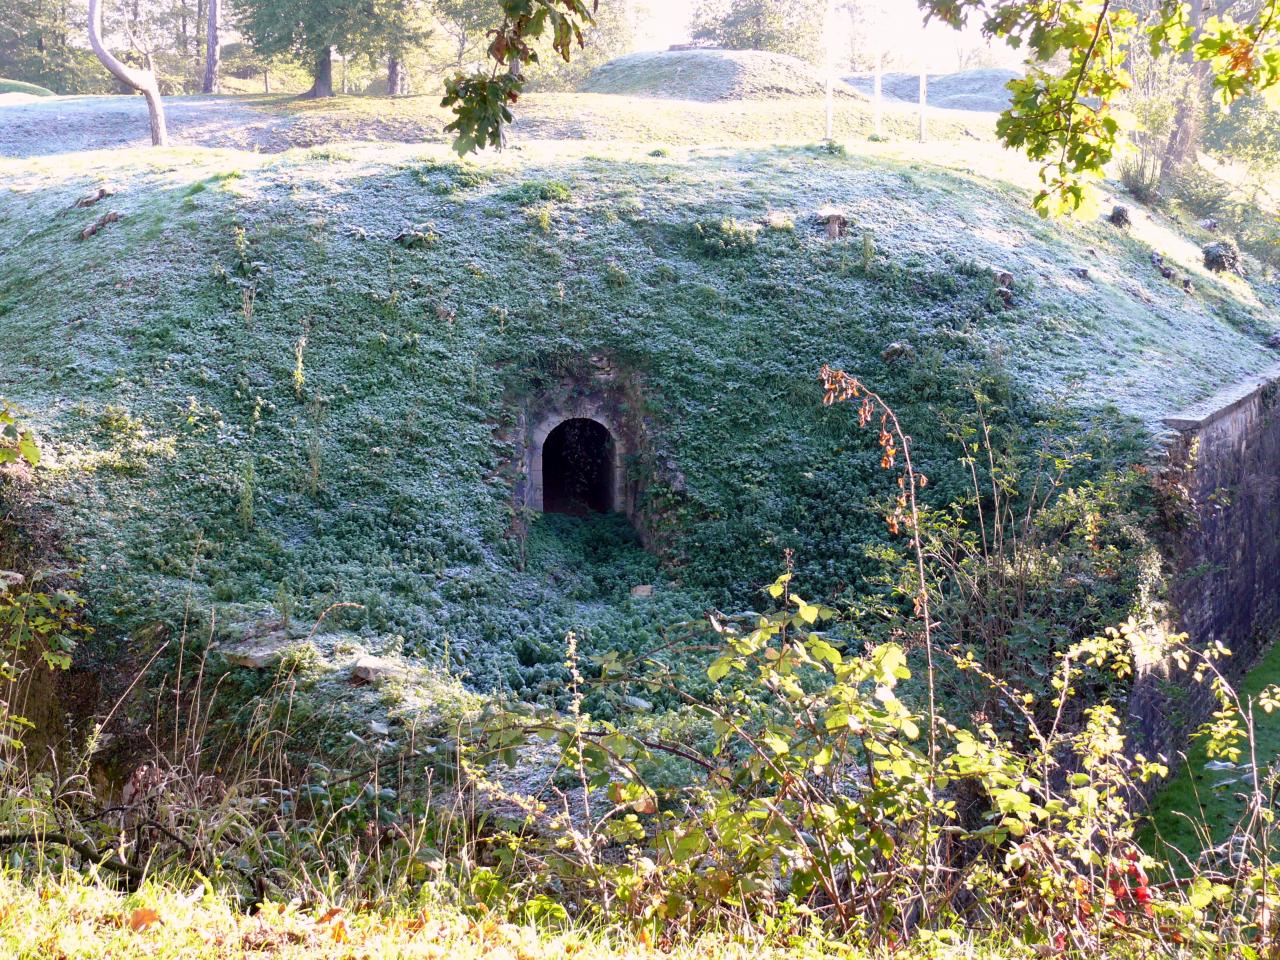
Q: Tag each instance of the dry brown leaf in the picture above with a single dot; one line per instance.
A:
(142, 918)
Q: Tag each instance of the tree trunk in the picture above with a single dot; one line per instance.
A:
(144, 81)
(1184, 139)
(200, 48)
(213, 48)
(397, 77)
(322, 86)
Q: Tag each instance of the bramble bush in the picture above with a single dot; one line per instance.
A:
(38, 628)
(825, 793)
(807, 786)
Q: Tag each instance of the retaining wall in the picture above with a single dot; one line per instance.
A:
(1222, 487)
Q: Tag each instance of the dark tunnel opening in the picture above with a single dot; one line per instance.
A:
(577, 468)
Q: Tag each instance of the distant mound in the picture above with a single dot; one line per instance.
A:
(980, 90)
(17, 86)
(710, 75)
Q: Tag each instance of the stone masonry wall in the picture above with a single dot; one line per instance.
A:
(1223, 478)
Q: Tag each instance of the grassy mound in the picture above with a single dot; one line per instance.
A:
(256, 403)
(710, 75)
(981, 90)
(18, 86)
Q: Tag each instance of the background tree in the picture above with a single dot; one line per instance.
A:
(37, 44)
(465, 23)
(213, 47)
(307, 29)
(792, 27)
(400, 28)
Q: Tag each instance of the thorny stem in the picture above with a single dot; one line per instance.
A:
(842, 387)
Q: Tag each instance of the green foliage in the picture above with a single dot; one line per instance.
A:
(482, 108)
(38, 629)
(822, 785)
(16, 442)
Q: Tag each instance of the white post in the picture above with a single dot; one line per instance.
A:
(875, 97)
(828, 36)
(830, 105)
(924, 90)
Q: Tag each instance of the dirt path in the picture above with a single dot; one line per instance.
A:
(37, 126)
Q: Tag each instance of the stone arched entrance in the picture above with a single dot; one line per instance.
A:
(578, 468)
(574, 461)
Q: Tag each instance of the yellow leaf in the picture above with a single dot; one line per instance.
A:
(338, 931)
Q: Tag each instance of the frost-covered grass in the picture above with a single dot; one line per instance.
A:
(279, 122)
(192, 460)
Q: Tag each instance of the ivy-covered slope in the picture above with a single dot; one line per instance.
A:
(345, 434)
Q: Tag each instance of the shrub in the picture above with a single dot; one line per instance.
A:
(446, 178)
(539, 191)
(1222, 255)
(725, 238)
(616, 275)
(38, 627)
(1141, 177)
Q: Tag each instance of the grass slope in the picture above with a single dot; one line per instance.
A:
(982, 90)
(18, 86)
(710, 75)
(197, 464)
(598, 116)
